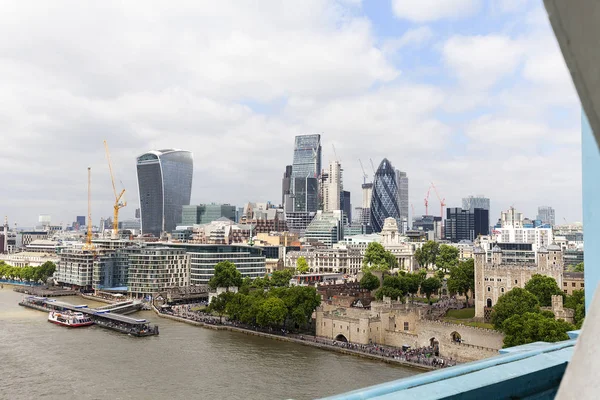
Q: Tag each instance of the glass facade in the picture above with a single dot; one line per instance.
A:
(384, 201)
(206, 213)
(307, 164)
(403, 198)
(165, 186)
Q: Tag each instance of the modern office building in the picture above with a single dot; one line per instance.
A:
(332, 187)
(80, 220)
(465, 224)
(297, 222)
(472, 202)
(154, 269)
(402, 180)
(346, 206)
(428, 223)
(249, 260)
(326, 228)
(206, 213)
(305, 172)
(546, 215)
(286, 184)
(384, 201)
(165, 186)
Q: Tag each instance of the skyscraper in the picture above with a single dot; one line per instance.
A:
(546, 215)
(384, 201)
(402, 179)
(332, 190)
(472, 202)
(286, 183)
(464, 224)
(165, 186)
(305, 168)
(346, 205)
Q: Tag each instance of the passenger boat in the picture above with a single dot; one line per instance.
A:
(69, 318)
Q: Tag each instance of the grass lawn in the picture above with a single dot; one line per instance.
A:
(469, 323)
(465, 313)
(199, 308)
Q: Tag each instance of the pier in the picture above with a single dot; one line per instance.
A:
(109, 317)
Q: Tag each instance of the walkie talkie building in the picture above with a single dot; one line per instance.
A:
(165, 186)
(384, 200)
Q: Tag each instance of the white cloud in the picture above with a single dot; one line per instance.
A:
(480, 61)
(412, 37)
(431, 10)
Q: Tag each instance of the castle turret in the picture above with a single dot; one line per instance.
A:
(496, 255)
(478, 292)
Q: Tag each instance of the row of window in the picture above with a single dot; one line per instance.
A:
(573, 284)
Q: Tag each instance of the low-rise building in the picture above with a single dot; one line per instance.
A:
(341, 259)
(29, 258)
(326, 228)
(572, 281)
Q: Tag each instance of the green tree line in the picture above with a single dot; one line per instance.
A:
(27, 274)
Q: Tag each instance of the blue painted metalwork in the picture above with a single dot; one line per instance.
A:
(591, 212)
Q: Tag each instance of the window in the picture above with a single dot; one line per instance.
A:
(516, 281)
(573, 284)
(565, 284)
(489, 289)
(502, 290)
(565, 290)
(406, 326)
(581, 284)
(357, 330)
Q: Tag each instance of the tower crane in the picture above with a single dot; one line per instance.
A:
(426, 201)
(442, 205)
(335, 153)
(372, 165)
(365, 176)
(118, 196)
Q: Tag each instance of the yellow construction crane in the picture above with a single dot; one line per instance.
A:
(118, 196)
(88, 240)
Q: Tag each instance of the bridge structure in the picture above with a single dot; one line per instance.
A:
(109, 317)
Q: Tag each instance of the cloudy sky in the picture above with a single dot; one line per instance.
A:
(470, 94)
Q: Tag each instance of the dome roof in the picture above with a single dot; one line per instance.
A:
(496, 249)
(542, 250)
(478, 250)
(554, 247)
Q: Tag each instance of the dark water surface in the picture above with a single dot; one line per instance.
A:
(42, 360)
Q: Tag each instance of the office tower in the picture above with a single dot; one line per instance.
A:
(206, 213)
(165, 186)
(465, 224)
(137, 213)
(346, 205)
(305, 172)
(332, 187)
(472, 202)
(546, 215)
(367, 194)
(286, 183)
(80, 220)
(384, 201)
(402, 179)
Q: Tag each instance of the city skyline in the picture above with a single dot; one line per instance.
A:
(493, 97)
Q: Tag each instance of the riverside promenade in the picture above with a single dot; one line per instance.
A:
(414, 358)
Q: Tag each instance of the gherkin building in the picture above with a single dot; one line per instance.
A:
(384, 200)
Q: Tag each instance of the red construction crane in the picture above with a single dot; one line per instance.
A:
(442, 205)
(427, 201)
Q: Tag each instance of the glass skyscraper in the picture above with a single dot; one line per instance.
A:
(402, 180)
(305, 168)
(165, 186)
(384, 201)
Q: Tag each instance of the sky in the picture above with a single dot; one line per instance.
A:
(472, 95)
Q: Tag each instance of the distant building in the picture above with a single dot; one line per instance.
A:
(286, 184)
(80, 220)
(297, 222)
(206, 213)
(332, 187)
(75, 267)
(165, 186)
(428, 223)
(403, 199)
(572, 281)
(249, 260)
(154, 269)
(26, 237)
(472, 202)
(342, 259)
(384, 201)
(546, 215)
(326, 228)
(465, 225)
(346, 206)
(137, 213)
(305, 173)
(111, 270)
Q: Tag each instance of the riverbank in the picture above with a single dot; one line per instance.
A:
(305, 342)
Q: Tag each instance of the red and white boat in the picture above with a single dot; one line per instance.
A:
(69, 318)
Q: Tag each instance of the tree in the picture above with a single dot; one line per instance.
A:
(219, 304)
(369, 281)
(578, 267)
(226, 275)
(272, 312)
(446, 258)
(281, 278)
(427, 254)
(389, 291)
(533, 327)
(301, 302)
(576, 302)
(462, 278)
(515, 302)
(543, 287)
(430, 286)
(413, 283)
(302, 265)
(378, 259)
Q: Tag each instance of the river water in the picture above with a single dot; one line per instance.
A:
(43, 360)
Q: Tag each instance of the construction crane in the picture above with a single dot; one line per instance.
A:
(365, 176)
(442, 205)
(335, 153)
(372, 165)
(88, 240)
(118, 196)
(426, 200)
(412, 207)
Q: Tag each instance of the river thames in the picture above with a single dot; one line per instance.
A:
(43, 360)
